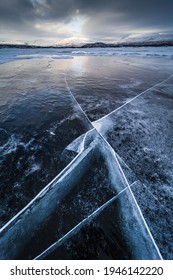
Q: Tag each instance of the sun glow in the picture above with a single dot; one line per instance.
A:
(76, 24)
(71, 31)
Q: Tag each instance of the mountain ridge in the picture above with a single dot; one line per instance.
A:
(93, 45)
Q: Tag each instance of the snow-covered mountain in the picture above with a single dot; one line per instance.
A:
(154, 39)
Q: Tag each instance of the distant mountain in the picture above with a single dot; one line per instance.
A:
(154, 37)
(96, 45)
(93, 45)
(128, 44)
(136, 40)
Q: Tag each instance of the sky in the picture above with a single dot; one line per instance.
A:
(71, 21)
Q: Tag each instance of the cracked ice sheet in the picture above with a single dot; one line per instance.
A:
(111, 232)
(90, 180)
(157, 217)
(49, 66)
(102, 84)
(141, 133)
(38, 119)
(89, 193)
(84, 186)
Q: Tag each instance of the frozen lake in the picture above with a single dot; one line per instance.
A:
(50, 102)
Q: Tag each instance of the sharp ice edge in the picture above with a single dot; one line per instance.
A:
(81, 147)
(78, 227)
(96, 123)
(78, 144)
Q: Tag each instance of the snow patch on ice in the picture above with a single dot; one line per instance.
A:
(12, 144)
(40, 56)
(7, 55)
(35, 167)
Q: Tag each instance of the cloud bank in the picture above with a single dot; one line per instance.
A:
(92, 19)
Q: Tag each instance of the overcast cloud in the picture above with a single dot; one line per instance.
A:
(92, 19)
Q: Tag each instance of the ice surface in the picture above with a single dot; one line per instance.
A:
(158, 218)
(35, 116)
(10, 54)
(34, 56)
(95, 192)
(59, 188)
(91, 191)
(19, 229)
(142, 133)
(111, 232)
(106, 120)
(103, 84)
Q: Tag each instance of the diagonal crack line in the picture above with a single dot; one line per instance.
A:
(65, 78)
(78, 226)
(120, 168)
(102, 137)
(143, 92)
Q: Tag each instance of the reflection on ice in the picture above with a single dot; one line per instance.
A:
(31, 56)
(10, 54)
(33, 123)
